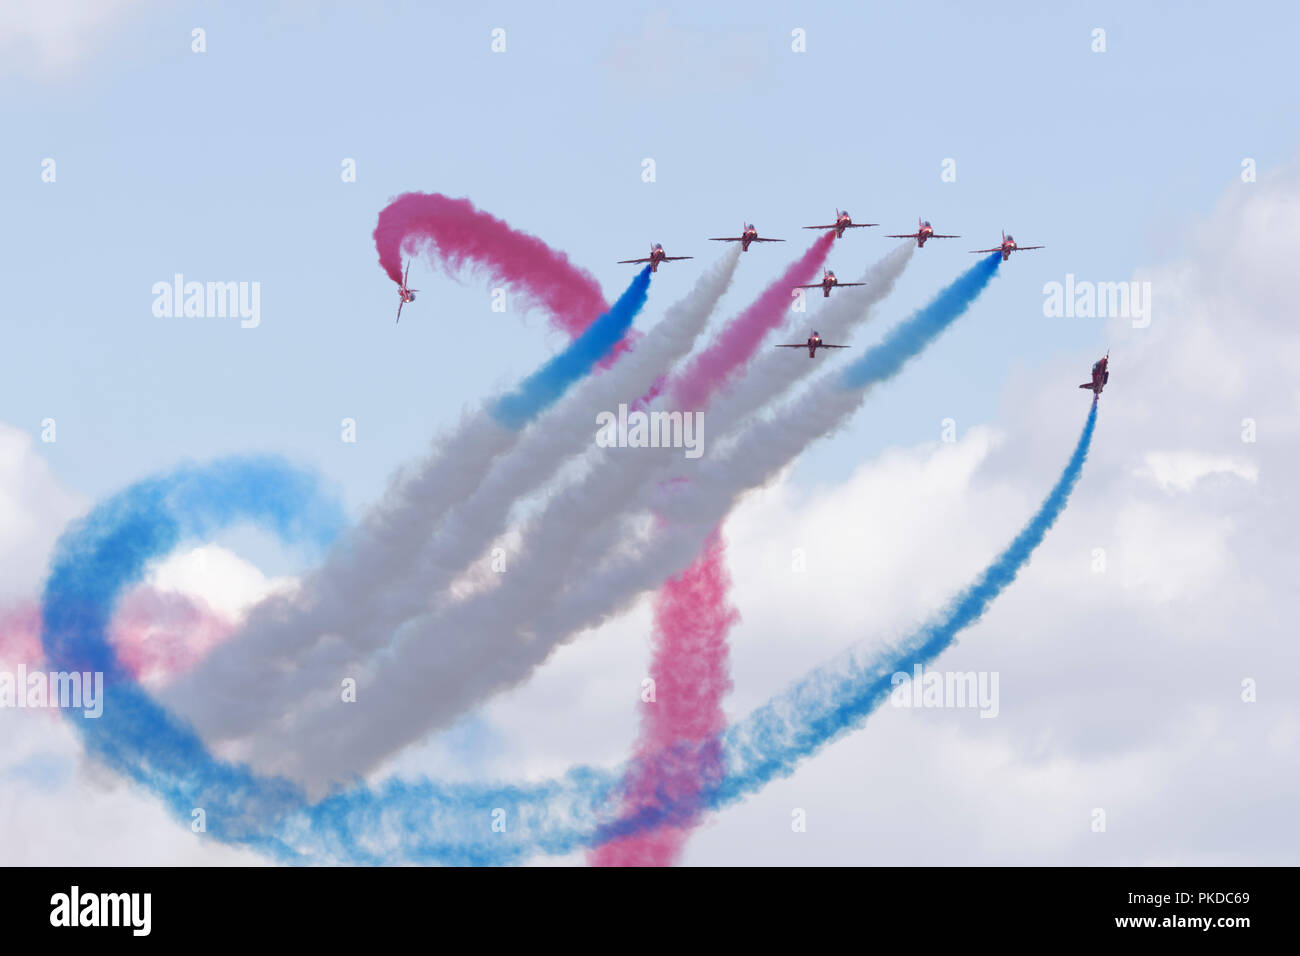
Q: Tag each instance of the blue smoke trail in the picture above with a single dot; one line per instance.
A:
(836, 697)
(545, 386)
(420, 821)
(911, 337)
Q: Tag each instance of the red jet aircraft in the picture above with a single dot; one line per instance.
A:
(813, 344)
(406, 295)
(656, 256)
(923, 232)
(843, 221)
(1100, 376)
(1008, 246)
(828, 282)
(747, 235)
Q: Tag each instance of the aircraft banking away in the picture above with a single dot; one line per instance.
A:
(406, 295)
(1008, 246)
(843, 221)
(923, 232)
(1100, 376)
(656, 256)
(747, 235)
(813, 344)
(828, 282)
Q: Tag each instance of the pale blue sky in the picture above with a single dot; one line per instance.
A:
(225, 166)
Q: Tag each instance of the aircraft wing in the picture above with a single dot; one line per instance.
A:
(399, 309)
(840, 285)
(860, 225)
(800, 345)
(672, 258)
(831, 226)
(1023, 248)
(910, 235)
(939, 235)
(626, 261)
(825, 346)
(815, 286)
(727, 239)
(999, 249)
(757, 239)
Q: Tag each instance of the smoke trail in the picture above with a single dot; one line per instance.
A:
(835, 698)
(545, 386)
(580, 540)
(839, 317)
(692, 620)
(734, 347)
(911, 337)
(382, 549)
(423, 820)
(364, 607)
(460, 234)
(20, 634)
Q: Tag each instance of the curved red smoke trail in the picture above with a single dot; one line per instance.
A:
(457, 233)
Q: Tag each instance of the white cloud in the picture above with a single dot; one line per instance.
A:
(52, 37)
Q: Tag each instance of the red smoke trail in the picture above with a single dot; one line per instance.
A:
(457, 234)
(158, 635)
(692, 620)
(20, 635)
(692, 613)
(736, 345)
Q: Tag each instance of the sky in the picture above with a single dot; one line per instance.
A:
(1121, 689)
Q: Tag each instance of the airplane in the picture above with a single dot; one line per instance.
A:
(407, 295)
(656, 256)
(813, 344)
(923, 232)
(747, 235)
(1100, 376)
(843, 221)
(1008, 246)
(828, 282)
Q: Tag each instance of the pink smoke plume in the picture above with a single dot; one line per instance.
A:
(690, 668)
(158, 635)
(734, 347)
(20, 635)
(457, 234)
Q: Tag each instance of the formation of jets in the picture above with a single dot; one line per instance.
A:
(749, 234)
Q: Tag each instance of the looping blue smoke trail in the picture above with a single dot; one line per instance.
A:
(420, 821)
(909, 338)
(545, 386)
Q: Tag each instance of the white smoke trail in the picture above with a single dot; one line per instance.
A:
(451, 659)
(375, 605)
